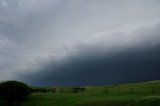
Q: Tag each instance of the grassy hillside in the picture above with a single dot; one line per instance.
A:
(137, 94)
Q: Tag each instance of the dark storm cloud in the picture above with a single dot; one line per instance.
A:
(100, 65)
(55, 41)
(131, 65)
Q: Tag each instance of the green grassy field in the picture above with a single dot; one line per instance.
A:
(137, 94)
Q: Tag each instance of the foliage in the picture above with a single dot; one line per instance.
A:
(14, 91)
(42, 90)
(78, 89)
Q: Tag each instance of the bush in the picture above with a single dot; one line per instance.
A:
(14, 91)
(78, 89)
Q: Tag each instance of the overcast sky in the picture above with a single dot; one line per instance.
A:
(79, 42)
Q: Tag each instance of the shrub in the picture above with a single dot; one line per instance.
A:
(14, 91)
(78, 89)
(53, 90)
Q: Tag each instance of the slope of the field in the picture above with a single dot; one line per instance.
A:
(137, 94)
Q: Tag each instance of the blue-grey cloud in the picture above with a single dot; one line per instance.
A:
(100, 65)
(132, 65)
(40, 38)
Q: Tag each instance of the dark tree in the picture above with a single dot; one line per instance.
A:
(61, 91)
(53, 90)
(75, 89)
(78, 89)
(82, 89)
(13, 91)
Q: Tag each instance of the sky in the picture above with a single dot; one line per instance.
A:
(79, 42)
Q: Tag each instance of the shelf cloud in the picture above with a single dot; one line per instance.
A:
(79, 42)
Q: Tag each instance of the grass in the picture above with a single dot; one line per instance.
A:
(137, 94)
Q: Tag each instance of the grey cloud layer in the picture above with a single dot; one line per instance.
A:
(37, 33)
(100, 64)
